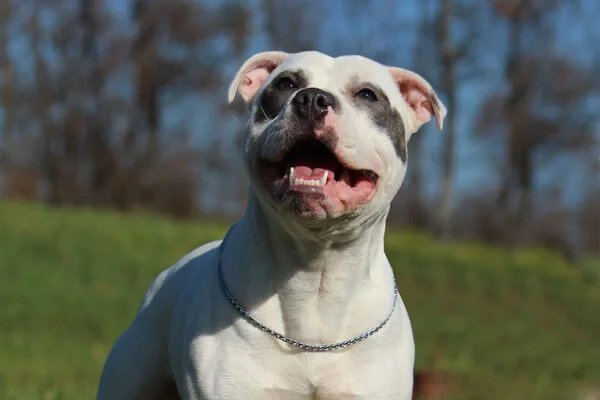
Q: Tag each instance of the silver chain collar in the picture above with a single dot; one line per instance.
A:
(303, 346)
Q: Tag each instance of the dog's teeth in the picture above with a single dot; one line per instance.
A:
(308, 182)
(345, 177)
(323, 179)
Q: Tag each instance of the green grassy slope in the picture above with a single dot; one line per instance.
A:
(520, 325)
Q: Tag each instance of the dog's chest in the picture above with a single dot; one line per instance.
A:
(271, 374)
(252, 365)
(214, 354)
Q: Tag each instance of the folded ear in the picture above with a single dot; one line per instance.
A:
(253, 74)
(421, 98)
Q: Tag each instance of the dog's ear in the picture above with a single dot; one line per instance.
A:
(253, 74)
(420, 97)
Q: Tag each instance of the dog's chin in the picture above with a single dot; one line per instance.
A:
(311, 183)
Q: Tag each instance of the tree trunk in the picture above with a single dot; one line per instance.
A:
(6, 93)
(101, 158)
(147, 80)
(448, 53)
(50, 163)
(416, 213)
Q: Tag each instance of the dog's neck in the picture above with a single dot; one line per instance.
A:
(314, 287)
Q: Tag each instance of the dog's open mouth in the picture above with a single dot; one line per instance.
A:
(311, 168)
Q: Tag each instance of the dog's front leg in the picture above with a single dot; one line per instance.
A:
(135, 370)
(138, 366)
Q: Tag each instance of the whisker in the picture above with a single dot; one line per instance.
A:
(264, 113)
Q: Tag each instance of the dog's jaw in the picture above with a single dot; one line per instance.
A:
(309, 177)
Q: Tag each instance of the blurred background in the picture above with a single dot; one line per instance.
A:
(121, 105)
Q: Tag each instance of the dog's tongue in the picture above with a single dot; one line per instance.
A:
(311, 160)
(305, 172)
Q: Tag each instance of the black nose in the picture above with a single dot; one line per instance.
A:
(313, 103)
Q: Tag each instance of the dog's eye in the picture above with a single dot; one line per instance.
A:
(286, 83)
(367, 94)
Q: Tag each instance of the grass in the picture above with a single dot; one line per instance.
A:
(500, 325)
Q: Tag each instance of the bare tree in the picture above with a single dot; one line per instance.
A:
(459, 41)
(94, 102)
(49, 164)
(449, 86)
(540, 82)
(191, 28)
(415, 210)
(291, 26)
(6, 90)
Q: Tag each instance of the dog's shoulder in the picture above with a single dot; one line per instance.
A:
(164, 290)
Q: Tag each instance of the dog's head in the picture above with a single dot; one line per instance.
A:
(327, 136)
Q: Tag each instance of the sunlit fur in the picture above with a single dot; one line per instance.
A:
(318, 281)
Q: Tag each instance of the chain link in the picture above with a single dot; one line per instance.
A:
(303, 346)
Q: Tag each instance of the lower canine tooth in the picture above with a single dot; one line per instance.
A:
(345, 176)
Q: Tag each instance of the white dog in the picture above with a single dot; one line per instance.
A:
(298, 301)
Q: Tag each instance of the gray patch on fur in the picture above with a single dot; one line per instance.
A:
(273, 99)
(384, 115)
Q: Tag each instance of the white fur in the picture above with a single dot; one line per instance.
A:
(315, 281)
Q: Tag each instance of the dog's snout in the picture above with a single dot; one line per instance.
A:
(313, 103)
